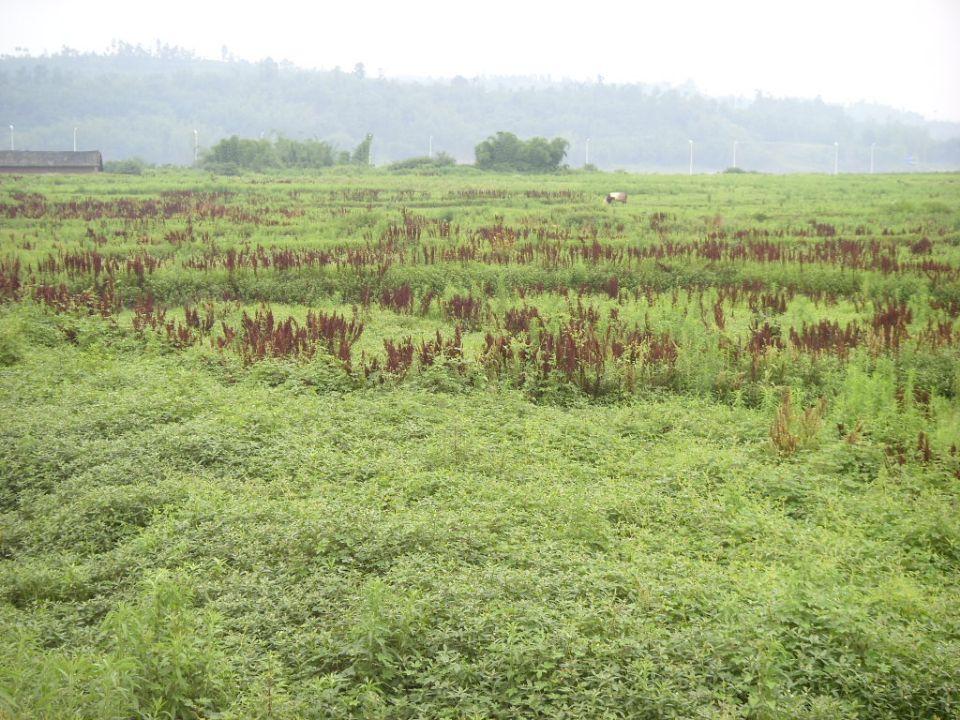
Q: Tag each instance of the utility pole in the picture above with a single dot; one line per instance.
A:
(691, 156)
(11, 137)
(734, 153)
(196, 146)
(873, 146)
(74, 139)
(586, 158)
(430, 150)
(836, 158)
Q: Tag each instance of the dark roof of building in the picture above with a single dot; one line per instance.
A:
(50, 159)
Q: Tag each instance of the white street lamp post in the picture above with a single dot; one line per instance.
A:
(873, 147)
(74, 139)
(430, 148)
(734, 153)
(196, 146)
(836, 158)
(11, 137)
(691, 156)
(586, 159)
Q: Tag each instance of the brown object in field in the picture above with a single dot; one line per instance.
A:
(616, 197)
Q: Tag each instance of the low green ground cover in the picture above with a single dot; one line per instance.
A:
(690, 504)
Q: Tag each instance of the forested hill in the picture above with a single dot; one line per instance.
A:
(131, 102)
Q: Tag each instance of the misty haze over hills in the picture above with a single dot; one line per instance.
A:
(132, 102)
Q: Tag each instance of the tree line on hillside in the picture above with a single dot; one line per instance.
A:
(134, 102)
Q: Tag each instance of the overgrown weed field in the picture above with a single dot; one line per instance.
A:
(474, 446)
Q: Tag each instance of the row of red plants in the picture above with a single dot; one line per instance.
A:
(844, 254)
(578, 348)
(549, 245)
(258, 336)
(195, 205)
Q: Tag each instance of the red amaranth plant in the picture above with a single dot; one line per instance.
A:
(430, 350)
(262, 336)
(826, 337)
(890, 324)
(147, 313)
(399, 355)
(101, 301)
(763, 337)
(465, 309)
(518, 320)
(718, 317)
(398, 299)
(10, 282)
(335, 333)
(193, 319)
(578, 351)
(612, 288)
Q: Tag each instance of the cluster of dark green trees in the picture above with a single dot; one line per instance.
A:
(506, 152)
(234, 154)
(503, 152)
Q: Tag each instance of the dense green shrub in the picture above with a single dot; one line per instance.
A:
(440, 160)
(505, 152)
(130, 166)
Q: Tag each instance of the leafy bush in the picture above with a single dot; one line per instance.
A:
(169, 651)
(11, 351)
(157, 658)
(505, 152)
(236, 152)
(130, 166)
(440, 160)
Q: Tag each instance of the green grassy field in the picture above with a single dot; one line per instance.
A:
(477, 446)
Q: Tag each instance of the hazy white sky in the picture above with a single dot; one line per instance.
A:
(901, 53)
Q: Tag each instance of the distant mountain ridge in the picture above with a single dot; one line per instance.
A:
(134, 102)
